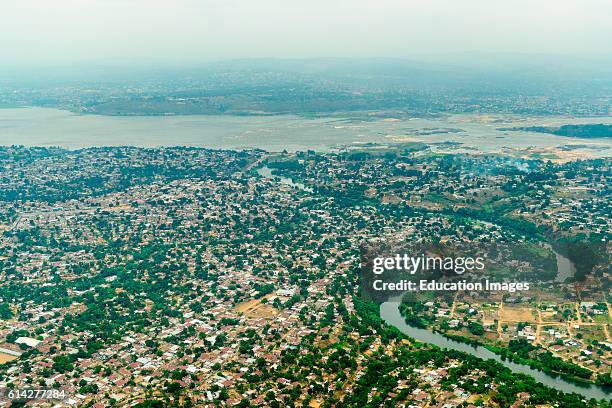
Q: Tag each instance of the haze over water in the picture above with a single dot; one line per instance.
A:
(52, 127)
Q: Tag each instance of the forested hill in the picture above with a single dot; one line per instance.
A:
(586, 131)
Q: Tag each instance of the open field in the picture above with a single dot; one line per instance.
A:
(255, 308)
(517, 314)
(5, 358)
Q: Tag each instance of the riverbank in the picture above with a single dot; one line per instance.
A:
(504, 353)
(389, 312)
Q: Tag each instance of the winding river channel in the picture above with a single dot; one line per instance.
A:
(390, 313)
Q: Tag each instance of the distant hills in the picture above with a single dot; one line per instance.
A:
(520, 85)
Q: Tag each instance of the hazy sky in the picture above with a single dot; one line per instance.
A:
(64, 31)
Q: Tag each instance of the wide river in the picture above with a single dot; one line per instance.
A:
(52, 127)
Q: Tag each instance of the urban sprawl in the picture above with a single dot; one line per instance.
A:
(193, 277)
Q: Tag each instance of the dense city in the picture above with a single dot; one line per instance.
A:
(194, 277)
